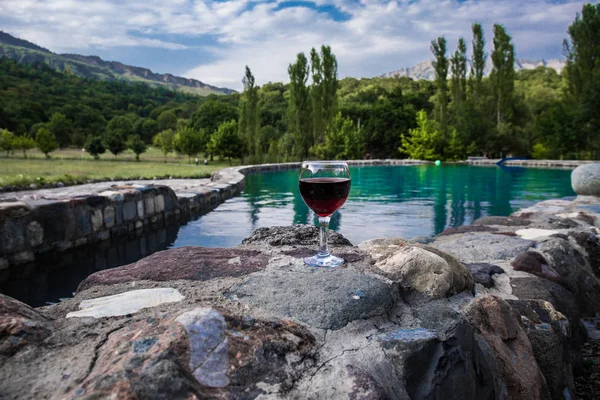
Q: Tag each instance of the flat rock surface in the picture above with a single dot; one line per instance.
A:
(189, 263)
(482, 247)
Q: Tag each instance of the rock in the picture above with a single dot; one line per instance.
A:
(533, 233)
(12, 236)
(585, 180)
(149, 205)
(13, 210)
(297, 235)
(535, 263)
(208, 346)
(515, 363)
(97, 220)
(109, 217)
(590, 243)
(549, 333)
(422, 239)
(483, 272)
(418, 267)
(482, 247)
(467, 228)
(159, 203)
(505, 221)
(126, 303)
(129, 211)
(576, 274)
(189, 263)
(140, 209)
(20, 325)
(35, 234)
(60, 184)
(323, 298)
(33, 186)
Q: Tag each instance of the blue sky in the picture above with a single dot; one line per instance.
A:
(213, 40)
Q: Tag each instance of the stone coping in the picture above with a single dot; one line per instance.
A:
(570, 164)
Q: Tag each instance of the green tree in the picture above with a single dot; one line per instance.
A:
(167, 120)
(226, 141)
(478, 58)
(137, 145)
(95, 147)
(299, 110)
(115, 143)
(459, 74)
(440, 66)
(23, 143)
(249, 125)
(316, 97)
(120, 126)
(422, 141)
(46, 141)
(6, 141)
(165, 140)
(583, 74)
(62, 128)
(148, 129)
(189, 142)
(502, 77)
(330, 85)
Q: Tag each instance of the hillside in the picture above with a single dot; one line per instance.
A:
(94, 67)
(424, 70)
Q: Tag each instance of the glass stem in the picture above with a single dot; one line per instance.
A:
(324, 228)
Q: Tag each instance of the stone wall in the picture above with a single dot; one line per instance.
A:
(33, 223)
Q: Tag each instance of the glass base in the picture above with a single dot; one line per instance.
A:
(323, 261)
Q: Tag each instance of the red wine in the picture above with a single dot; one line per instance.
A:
(324, 195)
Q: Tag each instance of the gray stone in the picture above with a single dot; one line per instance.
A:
(97, 220)
(505, 221)
(297, 235)
(208, 346)
(60, 184)
(585, 180)
(129, 211)
(12, 236)
(324, 298)
(418, 267)
(109, 217)
(23, 257)
(3, 263)
(140, 209)
(159, 203)
(139, 225)
(482, 247)
(13, 209)
(483, 272)
(149, 203)
(35, 234)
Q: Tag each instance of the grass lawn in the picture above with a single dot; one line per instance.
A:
(73, 166)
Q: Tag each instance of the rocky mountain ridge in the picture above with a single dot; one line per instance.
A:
(95, 67)
(424, 70)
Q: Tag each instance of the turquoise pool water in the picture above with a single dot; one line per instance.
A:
(404, 201)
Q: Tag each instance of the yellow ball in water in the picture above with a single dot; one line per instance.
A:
(438, 163)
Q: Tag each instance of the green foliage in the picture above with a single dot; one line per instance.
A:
(422, 141)
(299, 109)
(211, 114)
(62, 128)
(502, 76)
(95, 147)
(148, 128)
(46, 141)
(189, 142)
(6, 141)
(165, 140)
(167, 120)
(23, 143)
(440, 65)
(137, 145)
(249, 125)
(226, 141)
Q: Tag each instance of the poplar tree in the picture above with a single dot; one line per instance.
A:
(502, 77)
(478, 59)
(330, 85)
(440, 66)
(249, 125)
(459, 74)
(316, 97)
(299, 107)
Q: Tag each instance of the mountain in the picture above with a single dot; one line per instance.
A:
(424, 70)
(94, 67)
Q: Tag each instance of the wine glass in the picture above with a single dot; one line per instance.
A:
(324, 187)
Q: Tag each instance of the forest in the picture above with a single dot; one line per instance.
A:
(535, 113)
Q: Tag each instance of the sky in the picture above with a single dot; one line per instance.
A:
(212, 41)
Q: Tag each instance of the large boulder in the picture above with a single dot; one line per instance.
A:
(482, 247)
(549, 332)
(509, 346)
(20, 325)
(418, 267)
(585, 180)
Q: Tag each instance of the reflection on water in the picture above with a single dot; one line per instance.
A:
(403, 201)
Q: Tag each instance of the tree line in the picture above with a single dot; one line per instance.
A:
(535, 113)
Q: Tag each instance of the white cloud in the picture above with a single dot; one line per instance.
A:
(378, 36)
